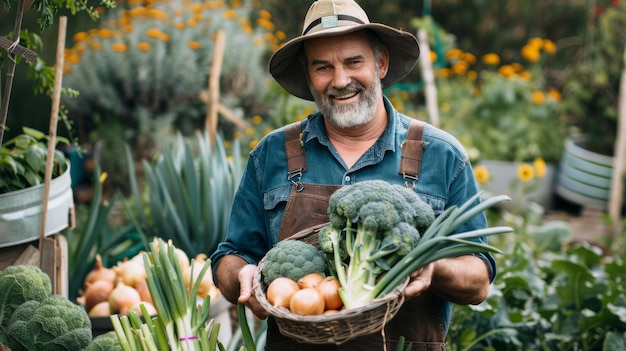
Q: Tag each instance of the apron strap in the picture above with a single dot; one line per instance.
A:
(296, 159)
(412, 150)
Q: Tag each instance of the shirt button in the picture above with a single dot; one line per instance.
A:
(347, 178)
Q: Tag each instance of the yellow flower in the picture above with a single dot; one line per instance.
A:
(103, 177)
(144, 46)
(118, 47)
(253, 144)
(470, 58)
(308, 110)
(158, 14)
(530, 53)
(137, 11)
(265, 23)
(445, 107)
(281, 35)
(194, 45)
(536, 43)
(433, 56)
(444, 72)
(257, 119)
(481, 173)
(105, 33)
(549, 46)
(72, 58)
(460, 67)
(491, 59)
(454, 54)
(525, 172)
(237, 134)
(80, 36)
(506, 70)
(525, 75)
(540, 167)
(538, 97)
(554, 94)
(250, 131)
(230, 14)
(265, 14)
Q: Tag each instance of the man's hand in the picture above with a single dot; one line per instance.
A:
(420, 281)
(246, 291)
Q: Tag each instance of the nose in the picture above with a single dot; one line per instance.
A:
(341, 78)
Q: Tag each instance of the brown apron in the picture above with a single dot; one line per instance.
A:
(419, 319)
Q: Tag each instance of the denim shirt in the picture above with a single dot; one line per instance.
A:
(446, 179)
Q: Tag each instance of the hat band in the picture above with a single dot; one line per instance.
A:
(331, 22)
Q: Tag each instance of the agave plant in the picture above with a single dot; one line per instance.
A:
(190, 188)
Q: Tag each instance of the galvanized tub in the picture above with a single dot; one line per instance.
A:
(20, 211)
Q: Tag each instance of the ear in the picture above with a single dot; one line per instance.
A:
(383, 63)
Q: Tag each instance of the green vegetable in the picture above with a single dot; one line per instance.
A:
(379, 233)
(21, 283)
(105, 342)
(292, 259)
(373, 224)
(52, 324)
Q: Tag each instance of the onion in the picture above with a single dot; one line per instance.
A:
(100, 272)
(149, 307)
(329, 289)
(144, 292)
(206, 283)
(96, 292)
(280, 292)
(122, 298)
(307, 302)
(131, 272)
(101, 309)
(310, 280)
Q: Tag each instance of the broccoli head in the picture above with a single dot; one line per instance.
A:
(292, 259)
(54, 324)
(21, 283)
(105, 342)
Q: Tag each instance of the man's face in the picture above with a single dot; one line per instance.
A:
(345, 78)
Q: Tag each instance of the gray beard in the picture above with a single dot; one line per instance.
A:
(352, 115)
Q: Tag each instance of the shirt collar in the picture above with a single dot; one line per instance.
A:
(315, 128)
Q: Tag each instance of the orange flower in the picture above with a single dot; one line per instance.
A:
(194, 45)
(491, 59)
(538, 97)
(230, 14)
(119, 47)
(506, 70)
(530, 53)
(80, 36)
(144, 46)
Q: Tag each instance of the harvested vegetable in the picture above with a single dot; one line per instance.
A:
(21, 283)
(292, 259)
(379, 233)
(280, 291)
(307, 302)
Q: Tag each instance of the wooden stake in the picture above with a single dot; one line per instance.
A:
(616, 195)
(54, 114)
(430, 89)
(214, 84)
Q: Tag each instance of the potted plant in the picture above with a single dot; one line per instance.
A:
(590, 102)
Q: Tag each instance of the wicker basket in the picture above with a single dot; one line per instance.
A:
(336, 328)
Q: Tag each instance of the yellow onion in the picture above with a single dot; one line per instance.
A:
(131, 272)
(307, 302)
(144, 292)
(149, 307)
(122, 298)
(101, 309)
(95, 293)
(280, 291)
(100, 272)
(329, 288)
(310, 280)
(206, 283)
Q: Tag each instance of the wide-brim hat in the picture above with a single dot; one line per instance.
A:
(336, 17)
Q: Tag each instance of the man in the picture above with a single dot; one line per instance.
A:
(342, 62)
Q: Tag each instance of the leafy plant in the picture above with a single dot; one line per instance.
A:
(23, 160)
(190, 187)
(548, 295)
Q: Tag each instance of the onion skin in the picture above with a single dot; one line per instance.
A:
(101, 309)
(131, 272)
(97, 292)
(122, 298)
(280, 292)
(329, 289)
(310, 280)
(100, 273)
(307, 302)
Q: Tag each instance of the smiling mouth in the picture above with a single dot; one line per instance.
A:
(345, 96)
